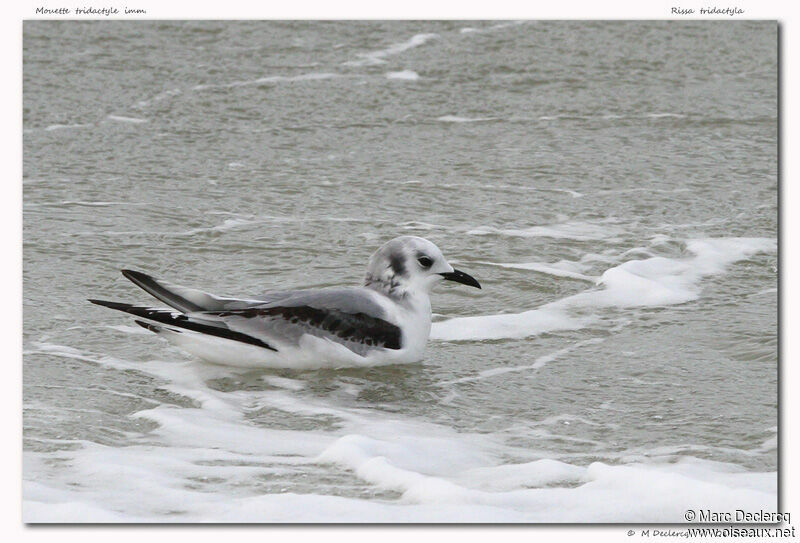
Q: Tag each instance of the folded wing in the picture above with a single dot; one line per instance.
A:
(359, 331)
(351, 317)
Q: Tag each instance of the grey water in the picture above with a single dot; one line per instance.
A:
(241, 156)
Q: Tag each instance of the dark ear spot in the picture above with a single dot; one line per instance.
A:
(397, 264)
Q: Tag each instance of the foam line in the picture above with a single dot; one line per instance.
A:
(651, 282)
(379, 56)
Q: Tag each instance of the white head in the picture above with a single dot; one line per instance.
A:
(410, 264)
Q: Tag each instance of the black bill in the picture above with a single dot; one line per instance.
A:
(461, 277)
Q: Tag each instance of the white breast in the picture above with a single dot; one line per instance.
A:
(413, 316)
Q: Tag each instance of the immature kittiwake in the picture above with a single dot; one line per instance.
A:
(385, 321)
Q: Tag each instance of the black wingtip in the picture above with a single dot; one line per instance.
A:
(174, 321)
(136, 276)
(112, 305)
(150, 285)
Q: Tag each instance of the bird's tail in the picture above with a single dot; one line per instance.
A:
(179, 322)
(181, 298)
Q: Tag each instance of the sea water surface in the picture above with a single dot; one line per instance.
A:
(613, 186)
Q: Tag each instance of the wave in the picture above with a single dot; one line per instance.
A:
(407, 75)
(507, 326)
(651, 282)
(98, 204)
(121, 119)
(52, 127)
(543, 490)
(457, 119)
(573, 193)
(497, 26)
(208, 460)
(575, 230)
(379, 56)
(268, 80)
(227, 224)
(264, 80)
(524, 492)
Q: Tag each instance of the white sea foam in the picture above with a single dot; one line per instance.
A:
(379, 56)
(408, 75)
(497, 26)
(121, 119)
(209, 463)
(766, 291)
(507, 24)
(227, 224)
(271, 79)
(593, 117)
(52, 127)
(770, 444)
(282, 382)
(576, 230)
(513, 325)
(664, 115)
(419, 225)
(651, 282)
(517, 186)
(660, 281)
(98, 204)
(639, 492)
(457, 119)
(573, 193)
(538, 491)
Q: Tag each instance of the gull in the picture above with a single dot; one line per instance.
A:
(387, 320)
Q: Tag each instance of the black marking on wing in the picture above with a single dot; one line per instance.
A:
(180, 320)
(355, 327)
(147, 283)
(397, 264)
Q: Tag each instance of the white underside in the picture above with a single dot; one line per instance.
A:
(311, 353)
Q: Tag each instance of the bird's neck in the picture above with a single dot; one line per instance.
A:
(411, 309)
(389, 286)
(412, 296)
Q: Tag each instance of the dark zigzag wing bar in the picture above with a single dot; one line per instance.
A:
(355, 327)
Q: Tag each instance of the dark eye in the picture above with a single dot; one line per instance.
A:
(425, 262)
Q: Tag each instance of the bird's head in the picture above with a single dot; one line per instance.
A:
(411, 264)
